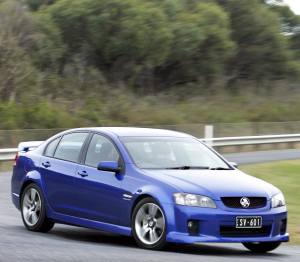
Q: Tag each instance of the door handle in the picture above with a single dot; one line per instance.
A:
(46, 164)
(82, 173)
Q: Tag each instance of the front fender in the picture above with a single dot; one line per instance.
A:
(139, 186)
(164, 200)
(161, 195)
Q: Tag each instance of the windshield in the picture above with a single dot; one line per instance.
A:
(172, 153)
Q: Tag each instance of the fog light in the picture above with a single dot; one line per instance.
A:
(283, 227)
(193, 227)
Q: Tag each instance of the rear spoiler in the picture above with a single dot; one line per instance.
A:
(28, 145)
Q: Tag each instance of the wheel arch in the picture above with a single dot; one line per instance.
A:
(167, 210)
(138, 199)
(32, 177)
(163, 197)
(25, 184)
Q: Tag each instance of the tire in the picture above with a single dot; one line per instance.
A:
(149, 225)
(33, 210)
(261, 247)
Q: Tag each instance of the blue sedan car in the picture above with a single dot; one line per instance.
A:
(156, 185)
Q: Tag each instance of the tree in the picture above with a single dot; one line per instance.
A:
(34, 5)
(290, 22)
(122, 37)
(262, 50)
(17, 74)
(201, 44)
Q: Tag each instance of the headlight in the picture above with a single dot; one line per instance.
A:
(278, 200)
(193, 200)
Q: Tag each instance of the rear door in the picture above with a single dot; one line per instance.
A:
(58, 168)
(99, 193)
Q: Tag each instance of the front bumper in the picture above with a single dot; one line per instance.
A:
(212, 222)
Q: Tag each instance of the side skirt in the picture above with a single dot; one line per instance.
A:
(82, 222)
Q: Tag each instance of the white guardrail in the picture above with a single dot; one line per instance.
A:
(246, 140)
(252, 140)
(9, 153)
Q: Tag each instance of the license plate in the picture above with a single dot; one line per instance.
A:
(248, 222)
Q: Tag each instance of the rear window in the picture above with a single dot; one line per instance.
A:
(51, 147)
(70, 146)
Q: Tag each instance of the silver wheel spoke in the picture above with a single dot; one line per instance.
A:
(152, 210)
(30, 217)
(145, 231)
(160, 223)
(32, 195)
(34, 217)
(26, 201)
(143, 213)
(153, 235)
(26, 213)
(38, 205)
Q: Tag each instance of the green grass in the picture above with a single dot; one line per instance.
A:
(172, 107)
(286, 176)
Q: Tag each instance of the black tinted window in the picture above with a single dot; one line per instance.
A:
(70, 146)
(51, 147)
(100, 149)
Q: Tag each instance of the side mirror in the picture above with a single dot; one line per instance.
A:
(234, 164)
(110, 166)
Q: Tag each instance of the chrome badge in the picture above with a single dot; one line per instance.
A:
(245, 202)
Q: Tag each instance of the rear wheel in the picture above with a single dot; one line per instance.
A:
(261, 247)
(33, 210)
(149, 224)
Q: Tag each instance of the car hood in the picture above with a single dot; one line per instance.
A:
(215, 183)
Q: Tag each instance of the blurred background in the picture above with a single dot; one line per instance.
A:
(70, 63)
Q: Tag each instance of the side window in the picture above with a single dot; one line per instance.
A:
(100, 149)
(70, 146)
(51, 147)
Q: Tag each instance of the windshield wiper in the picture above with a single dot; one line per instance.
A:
(220, 168)
(188, 167)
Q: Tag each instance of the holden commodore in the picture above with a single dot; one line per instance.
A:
(158, 186)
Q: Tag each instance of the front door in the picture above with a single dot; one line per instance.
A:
(99, 192)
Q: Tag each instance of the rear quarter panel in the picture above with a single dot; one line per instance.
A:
(25, 171)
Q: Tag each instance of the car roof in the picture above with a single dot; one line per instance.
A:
(136, 131)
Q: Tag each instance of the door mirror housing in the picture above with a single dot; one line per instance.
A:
(234, 164)
(109, 166)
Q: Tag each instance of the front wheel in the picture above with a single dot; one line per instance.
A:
(149, 224)
(261, 247)
(33, 210)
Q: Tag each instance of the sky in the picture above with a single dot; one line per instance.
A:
(294, 5)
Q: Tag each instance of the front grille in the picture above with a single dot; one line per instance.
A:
(231, 231)
(234, 202)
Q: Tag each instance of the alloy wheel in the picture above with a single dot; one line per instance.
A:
(149, 223)
(31, 206)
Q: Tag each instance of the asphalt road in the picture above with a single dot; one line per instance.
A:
(263, 156)
(67, 243)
